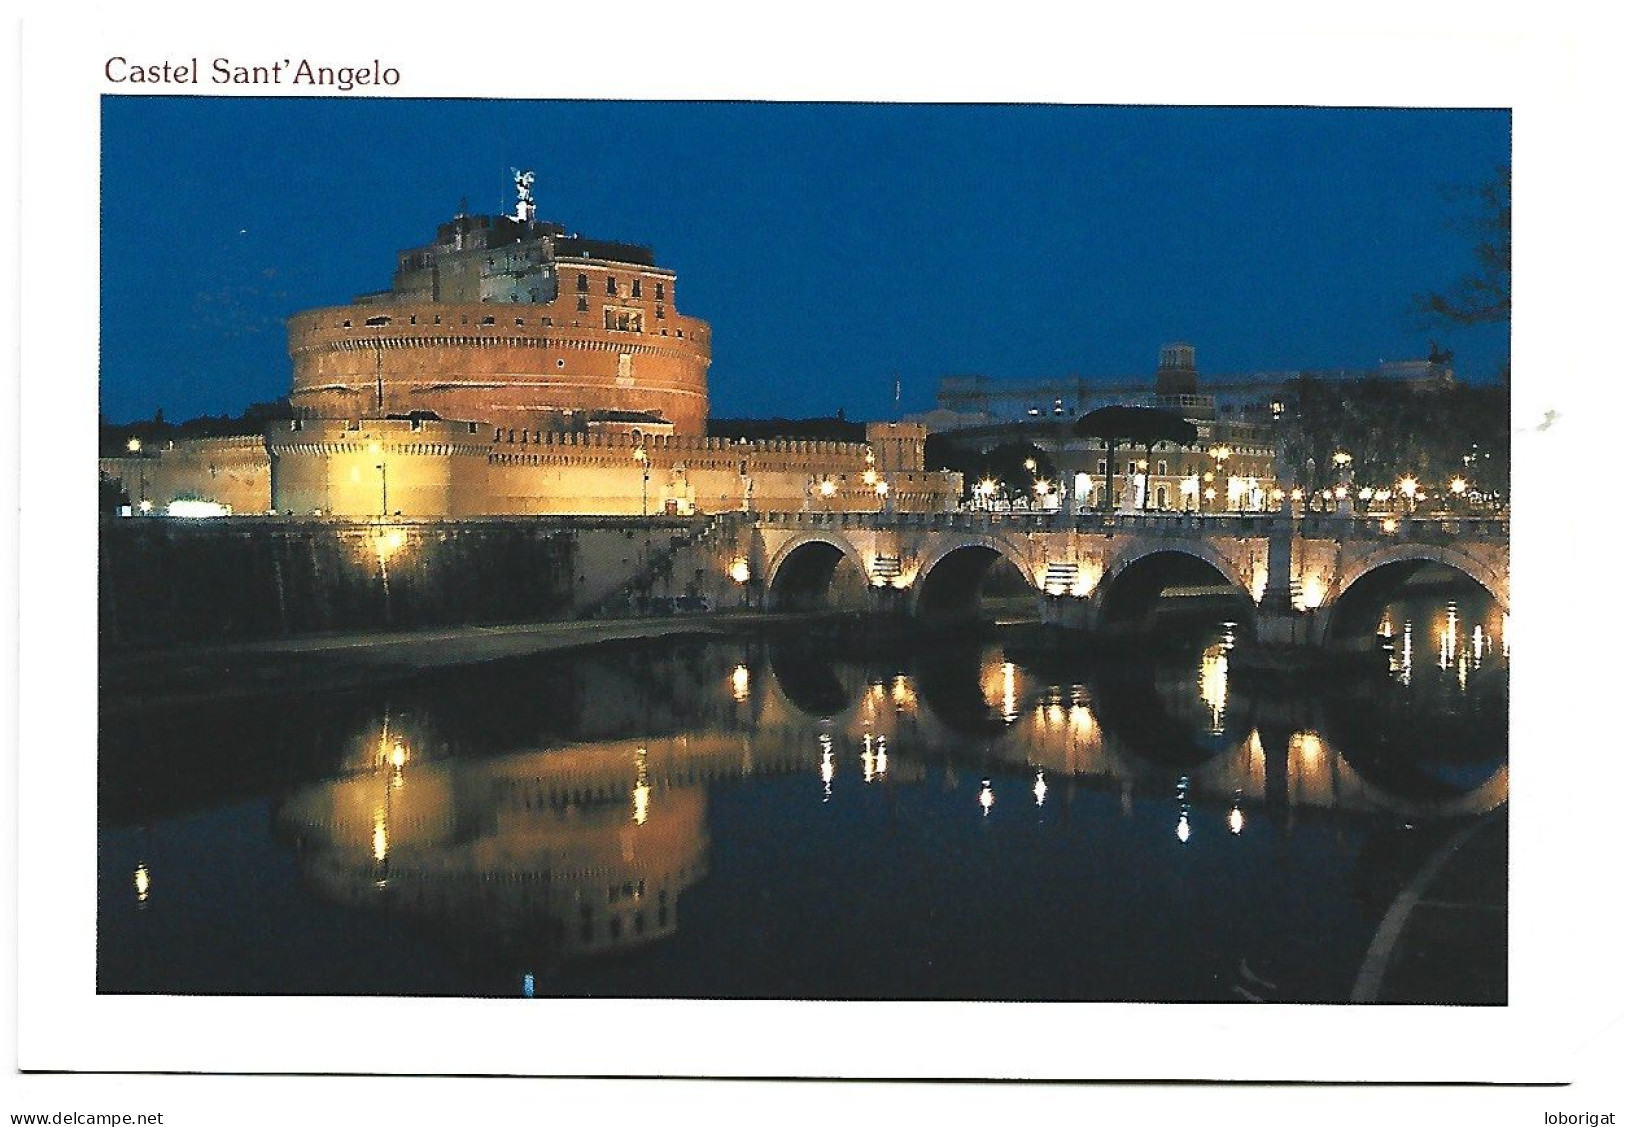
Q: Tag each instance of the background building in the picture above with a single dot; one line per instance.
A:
(1231, 467)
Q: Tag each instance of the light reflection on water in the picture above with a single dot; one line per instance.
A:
(560, 851)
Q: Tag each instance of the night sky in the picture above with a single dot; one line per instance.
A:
(833, 248)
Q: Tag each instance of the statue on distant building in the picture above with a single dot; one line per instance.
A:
(525, 208)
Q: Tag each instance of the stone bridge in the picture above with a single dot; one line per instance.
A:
(1327, 575)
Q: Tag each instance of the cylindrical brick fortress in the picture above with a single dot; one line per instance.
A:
(510, 365)
(512, 322)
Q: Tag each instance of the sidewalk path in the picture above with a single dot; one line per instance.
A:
(170, 678)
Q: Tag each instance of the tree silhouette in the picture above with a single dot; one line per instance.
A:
(1485, 295)
(1133, 426)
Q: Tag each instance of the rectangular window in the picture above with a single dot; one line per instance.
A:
(581, 283)
(581, 305)
(609, 285)
(637, 287)
(660, 291)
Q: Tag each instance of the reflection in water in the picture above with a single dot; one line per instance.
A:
(537, 847)
(542, 849)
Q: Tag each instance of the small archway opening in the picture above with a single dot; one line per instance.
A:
(974, 581)
(1172, 588)
(816, 575)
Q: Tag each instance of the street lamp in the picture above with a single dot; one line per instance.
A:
(383, 480)
(1407, 486)
(641, 457)
(987, 487)
(1220, 454)
(133, 446)
(827, 489)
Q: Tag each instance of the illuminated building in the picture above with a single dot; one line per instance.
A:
(513, 368)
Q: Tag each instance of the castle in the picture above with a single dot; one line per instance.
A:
(514, 368)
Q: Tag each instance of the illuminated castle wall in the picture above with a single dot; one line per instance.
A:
(426, 468)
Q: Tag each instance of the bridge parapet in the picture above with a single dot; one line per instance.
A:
(1310, 526)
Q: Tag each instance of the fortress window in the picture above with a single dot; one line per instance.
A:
(660, 291)
(609, 285)
(377, 321)
(637, 288)
(519, 321)
(581, 283)
(679, 333)
(581, 305)
(346, 325)
(660, 312)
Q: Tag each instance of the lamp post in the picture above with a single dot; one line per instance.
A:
(1407, 486)
(1342, 459)
(826, 489)
(383, 480)
(641, 456)
(1220, 453)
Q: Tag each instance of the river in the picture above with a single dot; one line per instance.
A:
(794, 813)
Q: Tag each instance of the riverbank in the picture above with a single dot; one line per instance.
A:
(1444, 939)
(180, 676)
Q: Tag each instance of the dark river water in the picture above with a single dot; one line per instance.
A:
(789, 815)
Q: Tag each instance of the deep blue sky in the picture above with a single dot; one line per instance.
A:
(831, 247)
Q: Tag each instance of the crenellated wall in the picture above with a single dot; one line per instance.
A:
(425, 468)
(231, 471)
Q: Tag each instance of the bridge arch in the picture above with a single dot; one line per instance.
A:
(802, 571)
(1351, 604)
(1136, 577)
(949, 580)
